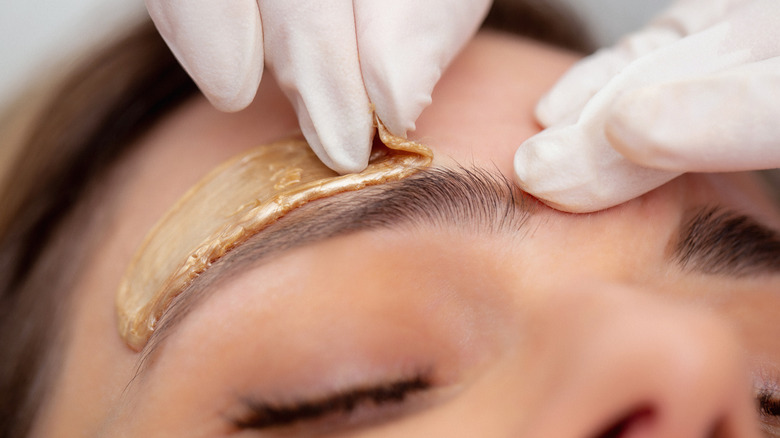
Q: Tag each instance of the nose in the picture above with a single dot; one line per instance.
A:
(625, 363)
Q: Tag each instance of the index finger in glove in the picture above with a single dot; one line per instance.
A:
(564, 102)
(565, 169)
(219, 44)
(404, 47)
(311, 48)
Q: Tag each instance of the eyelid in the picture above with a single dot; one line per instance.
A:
(343, 406)
(769, 404)
(769, 412)
(767, 396)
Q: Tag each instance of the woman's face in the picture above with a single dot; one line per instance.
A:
(635, 321)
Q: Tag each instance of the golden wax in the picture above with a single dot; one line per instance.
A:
(234, 202)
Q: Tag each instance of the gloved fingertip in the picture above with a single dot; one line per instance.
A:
(232, 83)
(341, 161)
(220, 45)
(397, 124)
(557, 167)
(345, 163)
(341, 154)
(230, 97)
(541, 171)
(399, 97)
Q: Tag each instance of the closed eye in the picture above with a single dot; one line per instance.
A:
(769, 412)
(264, 415)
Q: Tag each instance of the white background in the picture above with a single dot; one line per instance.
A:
(34, 34)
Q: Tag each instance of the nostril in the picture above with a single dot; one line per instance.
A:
(626, 425)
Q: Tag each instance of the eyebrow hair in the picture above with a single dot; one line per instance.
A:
(716, 241)
(473, 199)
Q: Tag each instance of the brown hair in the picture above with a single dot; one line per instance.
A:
(48, 190)
(85, 127)
(542, 20)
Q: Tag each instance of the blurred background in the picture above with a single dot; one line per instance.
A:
(34, 34)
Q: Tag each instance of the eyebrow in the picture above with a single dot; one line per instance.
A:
(472, 199)
(716, 241)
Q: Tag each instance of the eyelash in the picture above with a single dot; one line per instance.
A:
(769, 404)
(263, 415)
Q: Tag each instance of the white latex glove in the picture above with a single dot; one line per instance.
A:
(696, 91)
(337, 61)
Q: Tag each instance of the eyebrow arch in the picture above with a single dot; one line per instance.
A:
(716, 241)
(471, 199)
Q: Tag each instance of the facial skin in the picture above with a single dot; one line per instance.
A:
(555, 325)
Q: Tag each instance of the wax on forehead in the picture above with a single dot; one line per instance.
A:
(234, 202)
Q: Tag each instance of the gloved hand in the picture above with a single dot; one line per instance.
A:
(696, 91)
(337, 61)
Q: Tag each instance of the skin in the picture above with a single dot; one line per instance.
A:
(559, 332)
